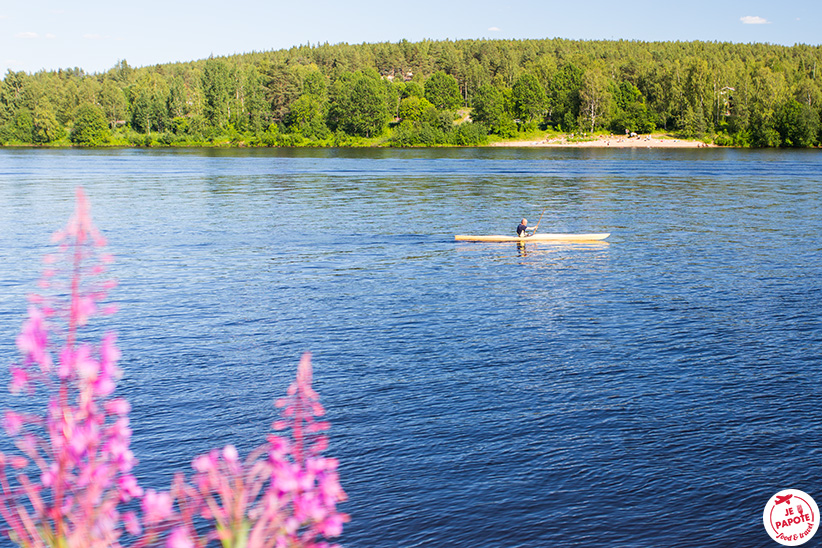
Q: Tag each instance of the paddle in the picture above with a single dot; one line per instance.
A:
(540, 220)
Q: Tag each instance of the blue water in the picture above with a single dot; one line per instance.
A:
(655, 390)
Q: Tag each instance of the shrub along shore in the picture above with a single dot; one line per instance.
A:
(432, 93)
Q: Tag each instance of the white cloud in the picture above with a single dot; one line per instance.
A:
(754, 20)
(494, 29)
(26, 35)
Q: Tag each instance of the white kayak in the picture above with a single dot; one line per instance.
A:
(534, 238)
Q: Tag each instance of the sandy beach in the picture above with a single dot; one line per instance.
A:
(614, 141)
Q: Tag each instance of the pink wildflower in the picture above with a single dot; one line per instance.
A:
(19, 380)
(157, 507)
(66, 364)
(231, 456)
(84, 308)
(81, 443)
(118, 407)
(109, 353)
(132, 523)
(48, 475)
(179, 538)
(83, 364)
(129, 488)
(284, 493)
(103, 385)
(33, 340)
(13, 423)
(277, 446)
(205, 463)
(332, 526)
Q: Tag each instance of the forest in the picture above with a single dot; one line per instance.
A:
(428, 93)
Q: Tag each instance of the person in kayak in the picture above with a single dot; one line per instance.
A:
(522, 229)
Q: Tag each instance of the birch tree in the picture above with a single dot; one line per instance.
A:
(594, 99)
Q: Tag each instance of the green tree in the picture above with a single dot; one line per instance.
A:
(11, 93)
(443, 91)
(307, 116)
(594, 99)
(657, 86)
(768, 91)
(256, 105)
(470, 134)
(121, 72)
(629, 110)
(412, 108)
(413, 89)
(475, 76)
(692, 123)
(359, 106)
(216, 82)
(23, 125)
(316, 85)
(441, 120)
(489, 110)
(149, 103)
(177, 102)
(763, 131)
(88, 90)
(45, 128)
(529, 98)
(113, 102)
(143, 113)
(563, 96)
(698, 86)
(66, 101)
(797, 124)
(283, 85)
(90, 126)
(406, 134)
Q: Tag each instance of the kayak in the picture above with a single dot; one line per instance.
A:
(534, 238)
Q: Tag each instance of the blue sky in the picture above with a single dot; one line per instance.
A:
(95, 35)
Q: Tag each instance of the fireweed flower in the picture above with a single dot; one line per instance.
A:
(79, 448)
(66, 488)
(282, 494)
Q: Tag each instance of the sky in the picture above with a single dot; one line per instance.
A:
(95, 35)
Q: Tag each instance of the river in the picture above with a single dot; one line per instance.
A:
(653, 390)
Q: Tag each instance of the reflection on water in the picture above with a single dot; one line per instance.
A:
(479, 393)
(526, 248)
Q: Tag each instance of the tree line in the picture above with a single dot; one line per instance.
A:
(428, 93)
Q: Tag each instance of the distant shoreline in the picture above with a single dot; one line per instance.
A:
(613, 141)
(556, 140)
